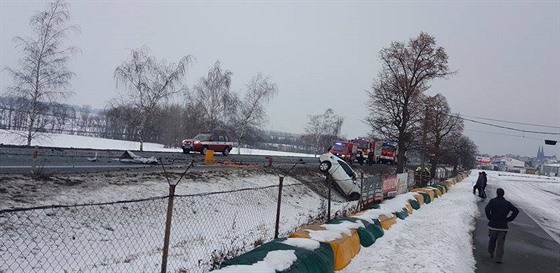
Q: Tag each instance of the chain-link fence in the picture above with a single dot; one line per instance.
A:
(128, 236)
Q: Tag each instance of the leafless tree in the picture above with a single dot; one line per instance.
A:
(212, 95)
(322, 129)
(42, 75)
(147, 82)
(121, 122)
(461, 152)
(442, 129)
(396, 96)
(251, 112)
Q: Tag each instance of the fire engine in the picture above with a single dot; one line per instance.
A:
(389, 151)
(365, 146)
(345, 150)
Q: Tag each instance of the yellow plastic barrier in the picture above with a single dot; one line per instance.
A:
(209, 157)
(437, 191)
(428, 191)
(387, 222)
(409, 208)
(344, 248)
(448, 183)
(420, 198)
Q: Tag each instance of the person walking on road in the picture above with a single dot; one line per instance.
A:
(478, 185)
(482, 189)
(497, 212)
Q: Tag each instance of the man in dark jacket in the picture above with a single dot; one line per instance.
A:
(482, 189)
(478, 185)
(497, 212)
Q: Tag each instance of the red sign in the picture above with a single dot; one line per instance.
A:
(390, 185)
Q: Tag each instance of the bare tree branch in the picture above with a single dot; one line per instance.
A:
(396, 96)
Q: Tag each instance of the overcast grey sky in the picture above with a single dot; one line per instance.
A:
(324, 54)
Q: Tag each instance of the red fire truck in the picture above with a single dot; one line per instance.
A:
(365, 146)
(389, 151)
(345, 150)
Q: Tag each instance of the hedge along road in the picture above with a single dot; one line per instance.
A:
(19, 160)
(528, 248)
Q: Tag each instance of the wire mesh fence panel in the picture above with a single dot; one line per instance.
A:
(127, 236)
(117, 237)
(210, 228)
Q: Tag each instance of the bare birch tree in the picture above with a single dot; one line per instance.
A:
(322, 129)
(251, 112)
(212, 94)
(147, 82)
(42, 75)
(396, 95)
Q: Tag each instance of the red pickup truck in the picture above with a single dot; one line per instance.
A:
(207, 141)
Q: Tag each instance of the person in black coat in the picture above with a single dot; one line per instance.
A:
(482, 189)
(498, 214)
(478, 185)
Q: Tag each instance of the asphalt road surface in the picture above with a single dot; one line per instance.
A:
(528, 248)
(19, 159)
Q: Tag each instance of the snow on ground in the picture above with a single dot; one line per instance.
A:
(436, 238)
(538, 196)
(74, 141)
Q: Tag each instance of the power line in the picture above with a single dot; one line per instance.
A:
(514, 122)
(502, 134)
(508, 128)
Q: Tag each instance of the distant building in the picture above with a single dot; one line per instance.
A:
(540, 153)
(508, 164)
(542, 158)
(482, 161)
(550, 169)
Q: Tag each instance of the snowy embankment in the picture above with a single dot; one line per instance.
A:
(435, 238)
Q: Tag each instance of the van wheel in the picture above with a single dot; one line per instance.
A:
(204, 149)
(354, 196)
(324, 166)
(226, 151)
(186, 151)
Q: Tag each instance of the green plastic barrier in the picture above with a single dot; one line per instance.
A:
(367, 234)
(401, 214)
(442, 188)
(317, 261)
(444, 185)
(436, 195)
(426, 196)
(414, 203)
(371, 206)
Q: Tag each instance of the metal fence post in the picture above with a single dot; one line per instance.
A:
(167, 235)
(281, 180)
(361, 200)
(167, 228)
(329, 182)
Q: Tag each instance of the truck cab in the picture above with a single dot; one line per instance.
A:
(364, 147)
(345, 150)
(389, 151)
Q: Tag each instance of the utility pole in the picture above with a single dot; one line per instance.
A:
(423, 149)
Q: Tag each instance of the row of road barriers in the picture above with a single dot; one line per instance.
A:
(330, 247)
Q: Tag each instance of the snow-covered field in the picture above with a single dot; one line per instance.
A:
(127, 237)
(75, 141)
